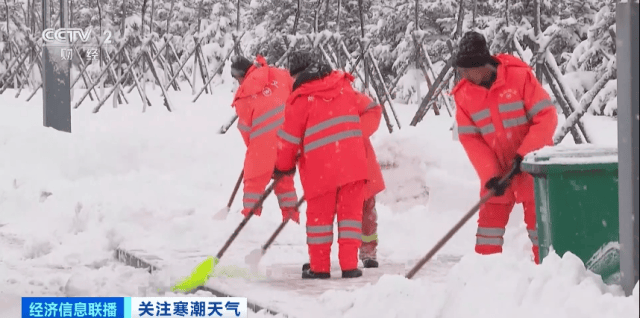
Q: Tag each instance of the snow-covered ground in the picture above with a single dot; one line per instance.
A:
(155, 179)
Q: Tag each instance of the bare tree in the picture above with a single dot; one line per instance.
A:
(297, 19)
(326, 15)
(537, 29)
(7, 29)
(460, 19)
(415, 15)
(153, 7)
(166, 52)
(144, 11)
(506, 11)
(199, 16)
(473, 14)
(99, 18)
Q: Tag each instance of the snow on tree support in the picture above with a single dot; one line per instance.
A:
(556, 89)
(379, 86)
(573, 106)
(627, 55)
(142, 53)
(382, 92)
(585, 102)
(16, 70)
(20, 74)
(198, 41)
(56, 76)
(418, 58)
(164, 62)
(175, 55)
(219, 68)
(443, 77)
(577, 137)
(122, 46)
(157, 57)
(13, 74)
(429, 70)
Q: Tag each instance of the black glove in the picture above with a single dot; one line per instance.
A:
(516, 164)
(495, 185)
(277, 174)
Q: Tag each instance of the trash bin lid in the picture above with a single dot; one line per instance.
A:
(559, 159)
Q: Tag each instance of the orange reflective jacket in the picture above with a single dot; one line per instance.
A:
(325, 120)
(515, 116)
(259, 103)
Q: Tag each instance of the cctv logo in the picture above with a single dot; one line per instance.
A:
(71, 35)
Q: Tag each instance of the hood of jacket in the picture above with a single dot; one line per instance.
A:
(256, 78)
(327, 86)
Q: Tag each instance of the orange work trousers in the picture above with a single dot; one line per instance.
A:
(346, 202)
(493, 221)
(254, 189)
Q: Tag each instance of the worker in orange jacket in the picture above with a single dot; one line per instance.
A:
(259, 103)
(503, 113)
(326, 120)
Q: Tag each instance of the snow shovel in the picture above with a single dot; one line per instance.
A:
(202, 272)
(222, 214)
(255, 256)
(452, 232)
(225, 127)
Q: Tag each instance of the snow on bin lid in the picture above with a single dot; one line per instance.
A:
(573, 154)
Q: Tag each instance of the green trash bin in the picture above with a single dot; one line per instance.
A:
(576, 190)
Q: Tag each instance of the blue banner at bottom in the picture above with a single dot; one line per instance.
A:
(133, 307)
(72, 307)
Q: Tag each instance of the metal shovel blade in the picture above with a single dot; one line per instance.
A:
(254, 258)
(222, 214)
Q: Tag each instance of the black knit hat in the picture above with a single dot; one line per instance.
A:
(239, 66)
(472, 51)
(299, 61)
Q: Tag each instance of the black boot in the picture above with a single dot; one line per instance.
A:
(370, 263)
(352, 273)
(306, 266)
(312, 275)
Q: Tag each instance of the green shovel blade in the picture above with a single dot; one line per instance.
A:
(198, 277)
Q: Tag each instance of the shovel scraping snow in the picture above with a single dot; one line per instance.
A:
(222, 214)
(255, 256)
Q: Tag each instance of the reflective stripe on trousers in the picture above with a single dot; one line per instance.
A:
(370, 238)
(250, 199)
(287, 199)
(368, 249)
(350, 229)
(323, 234)
(490, 236)
(495, 236)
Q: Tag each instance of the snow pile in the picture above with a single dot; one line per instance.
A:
(425, 173)
(493, 286)
(419, 166)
